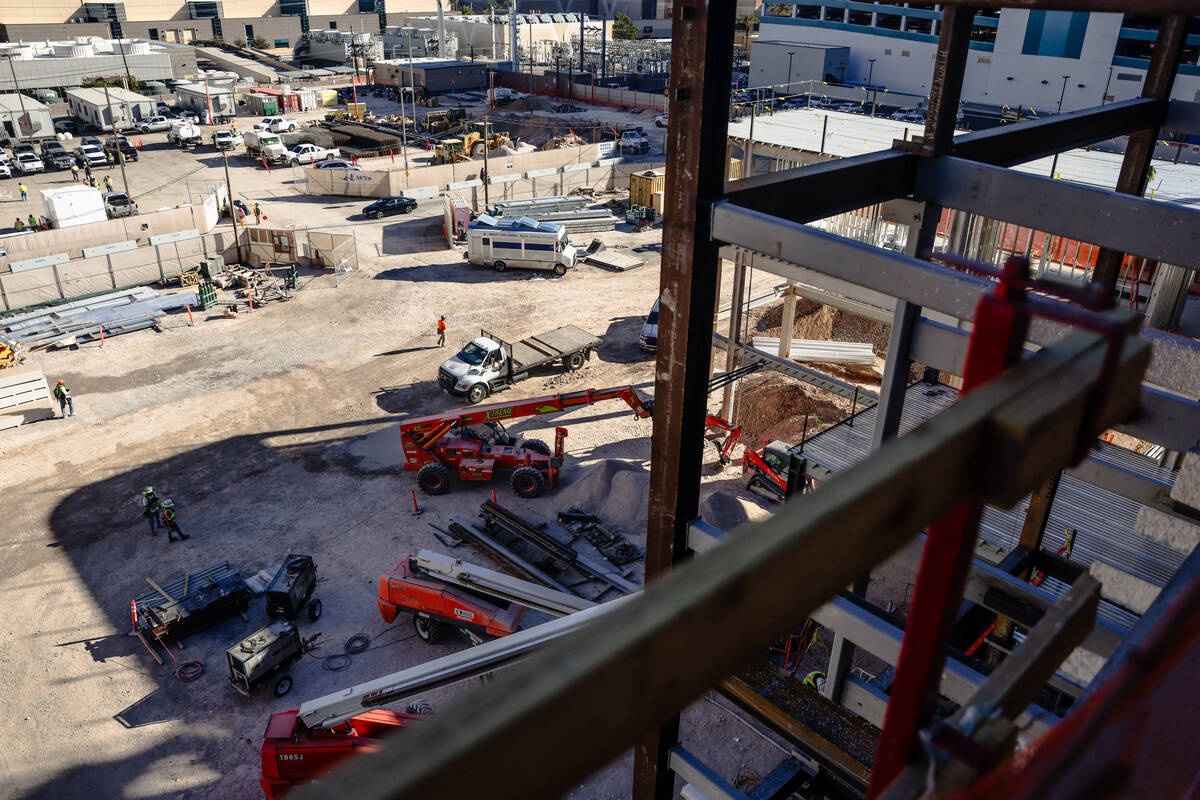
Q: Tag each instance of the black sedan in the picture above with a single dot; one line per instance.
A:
(386, 206)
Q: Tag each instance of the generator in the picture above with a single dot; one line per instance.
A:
(291, 589)
(263, 654)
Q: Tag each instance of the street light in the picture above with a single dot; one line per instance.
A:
(1064, 92)
(870, 73)
(790, 54)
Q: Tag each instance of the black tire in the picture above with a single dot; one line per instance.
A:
(433, 479)
(419, 707)
(409, 209)
(560, 270)
(574, 361)
(476, 393)
(429, 631)
(499, 266)
(528, 481)
(537, 446)
(282, 686)
(314, 610)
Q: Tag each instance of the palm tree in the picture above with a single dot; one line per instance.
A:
(746, 20)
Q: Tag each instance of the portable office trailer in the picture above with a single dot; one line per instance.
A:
(456, 220)
(643, 185)
(91, 106)
(32, 122)
(523, 243)
(220, 98)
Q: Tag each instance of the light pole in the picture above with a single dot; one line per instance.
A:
(1064, 92)
(870, 74)
(20, 98)
(1104, 97)
(790, 54)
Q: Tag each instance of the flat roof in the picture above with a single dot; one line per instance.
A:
(856, 134)
(115, 93)
(10, 102)
(430, 63)
(810, 45)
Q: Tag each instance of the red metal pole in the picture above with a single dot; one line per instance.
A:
(1001, 324)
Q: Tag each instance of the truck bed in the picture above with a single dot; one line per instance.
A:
(534, 351)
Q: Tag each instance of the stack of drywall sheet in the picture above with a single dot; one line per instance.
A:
(86, 320)
(24, 395)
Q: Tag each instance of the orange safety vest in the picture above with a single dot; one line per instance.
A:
(441, 324)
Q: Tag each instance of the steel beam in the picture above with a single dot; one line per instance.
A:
(699, 90)
(1161, 231)
(692, 769)
(793, 370)
(639, 664)
(1183, 117)
(1139, 150)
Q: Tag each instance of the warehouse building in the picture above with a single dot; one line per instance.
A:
(436, 75)
(62, 65)
(24, 118)
(337, 48)
(91, 106)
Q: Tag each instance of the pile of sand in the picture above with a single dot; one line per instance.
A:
(727, 510)
(816, 321)
(616, 491)
(772, 406)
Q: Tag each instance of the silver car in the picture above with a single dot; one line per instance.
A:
(118, 204)
(154, 124)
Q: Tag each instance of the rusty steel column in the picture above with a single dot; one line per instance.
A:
(1135, 167)
(701, 68)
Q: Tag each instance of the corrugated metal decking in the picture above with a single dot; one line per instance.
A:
(1105, 522)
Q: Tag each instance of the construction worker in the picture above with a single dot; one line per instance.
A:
(33, 223)
(257, 214)
(151, 507)
(169, 520)
(24, 190)
(87, 174)
(815, 680)
(75, 173)
(441, 329)
(20, 224)
(63, 395)
(108, 157)
(108, 183)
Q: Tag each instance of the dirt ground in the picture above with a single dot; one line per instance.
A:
(266, 429)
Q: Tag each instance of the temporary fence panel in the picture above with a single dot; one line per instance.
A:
(336, 251)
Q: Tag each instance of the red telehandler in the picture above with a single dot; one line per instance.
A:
(471, 442)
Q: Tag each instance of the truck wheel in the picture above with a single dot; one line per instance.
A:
(433, 479)
(314, 610)
(499, 266)
(429, 631)
(560, 270)
(420, 707)
(283, 686)
(528, 481)
(537, 446)
(476, 393)
(574, 361)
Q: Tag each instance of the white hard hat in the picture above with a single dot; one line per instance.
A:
(148, 490)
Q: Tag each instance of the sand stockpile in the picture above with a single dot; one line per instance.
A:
(772, 406)
(816, 321)
(616, 491)
(726, 510)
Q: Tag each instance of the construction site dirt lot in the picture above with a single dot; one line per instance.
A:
(273, 432)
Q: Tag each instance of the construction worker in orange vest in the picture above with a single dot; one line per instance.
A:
(441, 329)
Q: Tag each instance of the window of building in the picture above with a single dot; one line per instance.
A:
(366, 6)
(808, 12)
(860, 18)
(1134, 48)
(204, 9)
(918, 25)
(889, 21)
(333, 25)
(152, 33)
(249, 33)
(983, 33)
(282, 43)
(1055, 33)
(775, 10)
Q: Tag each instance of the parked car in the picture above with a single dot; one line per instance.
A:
(907, 115)
(284, 125)
(821, 102)
(660, 121)
(226, 140)
(5, 170)
(648, 340)
(849, 108)
(264, 124)
(89, 155)
(28, 163)
(159, 123)
(567, 108)
(120, 146)
(66, 125)
(22, 147)
(310, 154)
(118, 204)
(55, 156)
(387, 206)
(335, 163)
(94, 141)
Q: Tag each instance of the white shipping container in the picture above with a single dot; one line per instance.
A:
(73, 205)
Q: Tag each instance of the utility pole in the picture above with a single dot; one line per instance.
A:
(116, 143)
(20, 97)
(121, 47)
(1064, 92)
(404, 124)
(486, 128)
(789, 86)
(870, 74)
(232, 208)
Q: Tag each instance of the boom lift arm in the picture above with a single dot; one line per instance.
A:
(497, 584)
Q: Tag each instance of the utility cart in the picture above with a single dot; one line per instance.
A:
(264, 654)
(292, 588)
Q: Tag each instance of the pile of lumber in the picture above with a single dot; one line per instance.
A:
(85, 320)
(821, 351)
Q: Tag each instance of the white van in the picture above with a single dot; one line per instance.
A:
(648, 341)
(524, 242)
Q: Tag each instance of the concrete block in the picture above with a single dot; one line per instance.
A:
(1176, 533)
(1187, 484)
(1124, 589)
(1082, 665)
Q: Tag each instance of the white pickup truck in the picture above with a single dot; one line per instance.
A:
(310, 154)
(185, 135)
